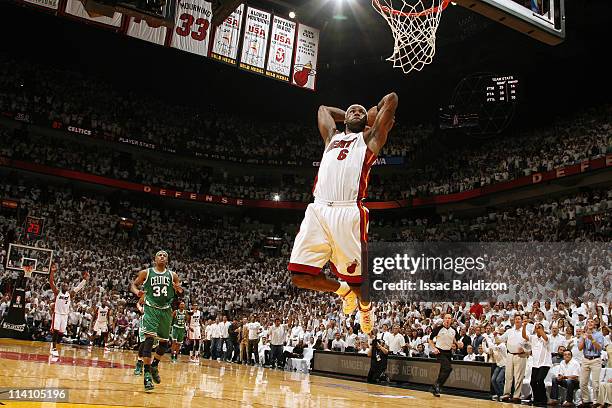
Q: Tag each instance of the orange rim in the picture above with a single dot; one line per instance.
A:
(389, 10)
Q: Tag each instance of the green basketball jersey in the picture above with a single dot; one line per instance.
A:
(179, 319)
(158, 288)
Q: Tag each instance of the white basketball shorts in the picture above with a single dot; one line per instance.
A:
(195, 333)
(100, 328)
(336, 232)
(59, 322)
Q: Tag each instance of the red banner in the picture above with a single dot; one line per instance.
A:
(586, 166)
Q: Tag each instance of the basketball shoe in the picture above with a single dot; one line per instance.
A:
(366, 318)
(138, 369)
(148, 382)
(349, 298)
(155, 374)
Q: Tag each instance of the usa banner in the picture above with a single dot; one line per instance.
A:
(141, 29)
(192, 26)
(306, 55)
(255, 40)
(75, 8)
(281, 49)
(227, 37)
(50, 4)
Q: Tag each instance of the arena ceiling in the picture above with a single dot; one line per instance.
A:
(352, 67)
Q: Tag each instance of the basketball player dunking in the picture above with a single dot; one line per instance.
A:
(63, 299)
(159, 284)
(335, 226)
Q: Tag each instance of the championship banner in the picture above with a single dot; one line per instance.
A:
(75, 8)
(50, 4)
(281, 49)
(139, 28)
(227, 37)
(306, 54)
(255, 40)
(192, 26)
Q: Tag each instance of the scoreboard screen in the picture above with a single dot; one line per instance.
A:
(502, 89)
(34, 226)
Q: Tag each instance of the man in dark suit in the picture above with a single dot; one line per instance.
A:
(465, 339)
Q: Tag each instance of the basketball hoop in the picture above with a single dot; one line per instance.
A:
(27, 271)
(414, 29)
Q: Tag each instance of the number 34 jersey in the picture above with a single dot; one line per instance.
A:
(344, 169)
(158, 288)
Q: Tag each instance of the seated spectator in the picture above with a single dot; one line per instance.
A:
(420, 352)
(470, 356)
(338, 344)
(567, 377)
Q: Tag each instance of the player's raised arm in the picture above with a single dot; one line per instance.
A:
(52, 279)
(142, 276)
(327, 118)
(81, 284)
(376, 136)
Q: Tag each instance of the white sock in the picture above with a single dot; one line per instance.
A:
(343, 289)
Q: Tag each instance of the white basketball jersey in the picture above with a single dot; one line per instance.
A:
(102, 315)
(195, 319)
(344, 169)
(62, 303)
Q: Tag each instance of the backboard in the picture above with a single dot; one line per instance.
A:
(21, 255)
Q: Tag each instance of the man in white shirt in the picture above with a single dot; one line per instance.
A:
(208, 329)
(516, 361)
(215, 331)
(224, 329)
(384, 335)
(396, 340)
(277, 334)
(470, 356)
(254, 328)
(556, 339)
(351, 341)
(567, 377)
(338, 344)
(297, 333)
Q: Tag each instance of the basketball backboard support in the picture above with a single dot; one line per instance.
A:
(19, 256)
(543, 20)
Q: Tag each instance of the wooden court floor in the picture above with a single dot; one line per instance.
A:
(98, 379)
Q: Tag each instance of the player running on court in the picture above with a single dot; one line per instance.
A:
(179, 318)
(159, 286)
(141, 338)
(335, 226)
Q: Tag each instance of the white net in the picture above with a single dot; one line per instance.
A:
(414, 27)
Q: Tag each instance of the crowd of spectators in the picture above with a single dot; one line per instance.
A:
(74, 99)
(225, 268)
(78, 100)
(226, 271)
